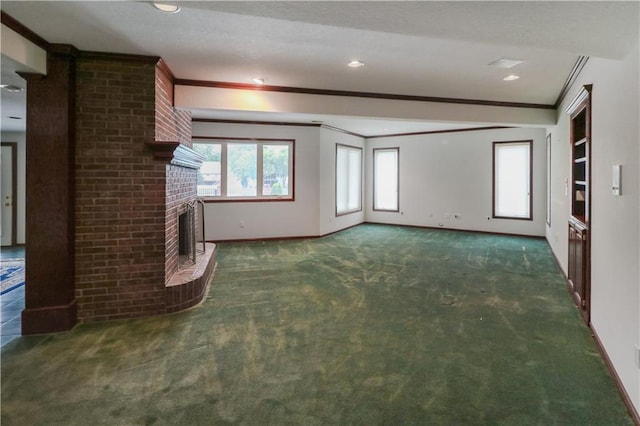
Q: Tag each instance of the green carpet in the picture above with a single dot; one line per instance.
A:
(374, 325)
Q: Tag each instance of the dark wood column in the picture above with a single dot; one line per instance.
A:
(50, 303)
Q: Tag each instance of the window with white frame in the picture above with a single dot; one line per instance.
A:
(512, 164)
(348, 179)
(385, 179)
(245, 169)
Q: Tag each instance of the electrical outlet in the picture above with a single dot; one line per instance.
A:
(242, 224)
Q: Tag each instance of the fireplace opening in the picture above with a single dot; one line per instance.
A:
(186, 235)
(189, 216)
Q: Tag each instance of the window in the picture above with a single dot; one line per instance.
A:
(385, 179)
(348, 179)
(512, 193)
(245, 169)
(549, 179)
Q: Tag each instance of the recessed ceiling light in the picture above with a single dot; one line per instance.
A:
(506, 63)
(166, 7)
(511, 77)
(257, 80)
(355, 64)
(11, 88)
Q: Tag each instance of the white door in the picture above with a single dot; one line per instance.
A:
(6, 212)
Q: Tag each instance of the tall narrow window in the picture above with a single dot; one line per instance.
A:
(385, 179)
(348, 179)
(512, 193)
(549, 179)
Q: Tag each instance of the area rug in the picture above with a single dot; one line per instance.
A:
(11, 274)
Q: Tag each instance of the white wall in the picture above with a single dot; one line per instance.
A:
(20, 139)
(328, 221)
(615, 221)
(269, 219)
(451, 173)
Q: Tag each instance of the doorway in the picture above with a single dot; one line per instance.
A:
(8, 193)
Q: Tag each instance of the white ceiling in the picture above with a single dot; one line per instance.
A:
(437, 49)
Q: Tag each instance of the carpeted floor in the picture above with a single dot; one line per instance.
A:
(373, 325)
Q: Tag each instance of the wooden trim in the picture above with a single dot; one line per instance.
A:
(25, 32)
(336, 180)
(256, 198)
(14, 189)
(175, 153)
(579, 102)
(337, 129)
(265, 123)
(259, 240)
(301, 237)
(109, 56)
(347, 93)
(573, 75)
(263, 199)
(49, 319)
(493, 180)
(471, 231)
(162, 151)
(616, 378)
(224, 138)
(373, 207)
(435, 132)
(312, 237)
(63, 49)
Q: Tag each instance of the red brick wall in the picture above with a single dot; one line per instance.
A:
(173, 125)
(124, 197)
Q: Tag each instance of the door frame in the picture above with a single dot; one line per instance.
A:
(14, 189)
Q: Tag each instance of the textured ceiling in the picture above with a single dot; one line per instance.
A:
(439, 49)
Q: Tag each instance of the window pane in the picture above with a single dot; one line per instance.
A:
(275, 170)
(209, 173)
(342, 179)
(348, 179)
(512, 180)
(355, 175)
(385, 179)
(242, 168)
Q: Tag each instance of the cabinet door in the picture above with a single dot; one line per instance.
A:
(572, 258)
(577, 264)
(579, 259)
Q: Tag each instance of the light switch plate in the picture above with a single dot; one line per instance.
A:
(615, 181)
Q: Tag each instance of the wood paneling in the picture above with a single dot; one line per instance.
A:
(50, 142)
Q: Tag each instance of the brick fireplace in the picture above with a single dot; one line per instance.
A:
(109, 161)
(134, 169)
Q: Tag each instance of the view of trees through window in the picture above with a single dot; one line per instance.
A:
(239, 169)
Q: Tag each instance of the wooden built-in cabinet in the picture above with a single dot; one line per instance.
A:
(580, 189)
